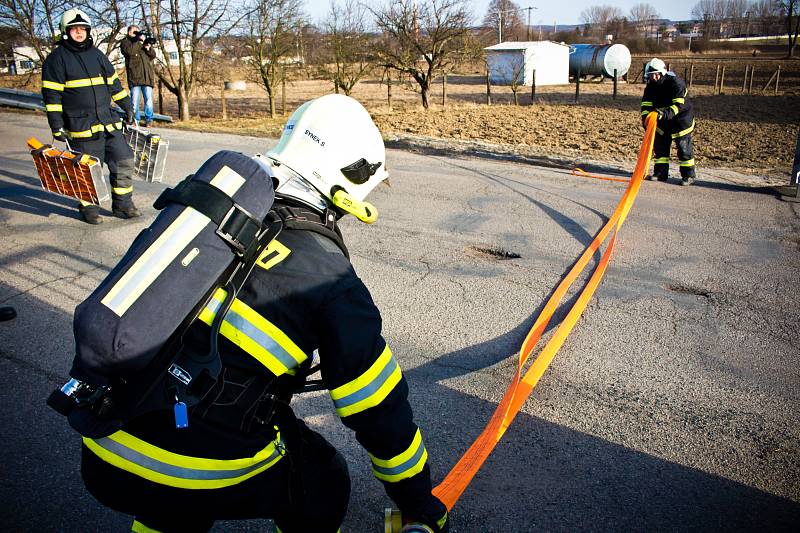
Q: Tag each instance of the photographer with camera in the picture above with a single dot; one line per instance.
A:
(138, 50)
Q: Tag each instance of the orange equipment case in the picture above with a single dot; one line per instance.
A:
(69, 173)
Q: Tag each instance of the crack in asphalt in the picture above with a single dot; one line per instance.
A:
(45, 283)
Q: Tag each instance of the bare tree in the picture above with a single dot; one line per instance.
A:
(517, 71)
(599, 17)
(113, 16)
(422, 39)
(35, 20)
(641, 16)
(274, 27)
(349, 57)
(192, 28)
(503, 17)
(712, 13)
(791, 10)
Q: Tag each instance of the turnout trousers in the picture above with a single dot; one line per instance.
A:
(117, 155)
(307, 490)
(661, 148)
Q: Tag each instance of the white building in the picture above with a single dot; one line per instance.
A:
(510, 60)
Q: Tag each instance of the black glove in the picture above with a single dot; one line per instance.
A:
(129, 118)
(434, 516)
(59, 135)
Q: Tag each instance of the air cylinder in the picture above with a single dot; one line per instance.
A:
(599, 59)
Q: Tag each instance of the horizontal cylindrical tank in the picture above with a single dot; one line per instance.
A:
(599, 59)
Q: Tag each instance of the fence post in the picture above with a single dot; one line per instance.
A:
(769, 82)
(160, 97)
(777, 79)
(283, 96)
(615, 85)
(577, 85)
(488, 88)
(686, 73)
(691, 75)
(644, 67)
(722, 81)
(224, 103)
(533, 86)
(389, 89)
(716, 80)
(444, 88)
(744, 83)
(752, 74)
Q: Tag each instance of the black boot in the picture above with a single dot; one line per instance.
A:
(125, 209)
(687, 180)
(91, 214)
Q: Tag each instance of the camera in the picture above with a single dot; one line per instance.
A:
(148, 37)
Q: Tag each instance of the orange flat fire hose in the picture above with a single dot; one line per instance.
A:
(582, 173)
(457, 480)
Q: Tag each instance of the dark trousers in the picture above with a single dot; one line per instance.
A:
(661, 148)
(117, 155)
(307, 490)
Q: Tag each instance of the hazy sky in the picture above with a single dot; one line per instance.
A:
(564, 12)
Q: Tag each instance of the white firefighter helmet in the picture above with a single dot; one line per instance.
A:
(655, 65)
(331, 143)
(74, 17)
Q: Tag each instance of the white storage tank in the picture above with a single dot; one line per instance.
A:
(599, 59)
(549, 59)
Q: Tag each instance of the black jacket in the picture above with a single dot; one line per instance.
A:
(302, 298)
(670, 98)
(78, 86)
(138, 62)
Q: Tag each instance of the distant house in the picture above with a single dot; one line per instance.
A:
(518, 60)
(24, 60)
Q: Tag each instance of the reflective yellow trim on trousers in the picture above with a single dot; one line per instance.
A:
(138, 457)
(54, 85)
(54, 107)
(138, 527)
(687, 131)
(120, 95)
(85, 82)
(122, 190)
(256, 335)
(370, 388)
(687, 163)
(661, 160)
(404, 465)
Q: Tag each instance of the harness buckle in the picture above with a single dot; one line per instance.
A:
(236, 226)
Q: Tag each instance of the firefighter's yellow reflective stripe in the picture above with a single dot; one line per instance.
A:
(84, 203)
(675, 109)
(166, 249)
(86, 133)
(370, 388)
(54, 107)
(85, 82)
(646, 112)
(661, 160)
(679, 100)
(687, 131)
(404, 465)
(138, 457)
(647, 104)
(54, 85)
(120, 95)
(122, 190)
(687, 163)
(112, 78)
(274, 253)
(256, 335)
(138, 527)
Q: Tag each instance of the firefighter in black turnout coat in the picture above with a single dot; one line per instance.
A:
(666, 94)
(244, 453)
(78, 85)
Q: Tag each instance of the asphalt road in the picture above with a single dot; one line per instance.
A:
(672, 406)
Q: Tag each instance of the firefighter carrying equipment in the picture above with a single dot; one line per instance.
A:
(343, 169)
(669, 98)
(209, 229)
(69, 173)
(78, 86)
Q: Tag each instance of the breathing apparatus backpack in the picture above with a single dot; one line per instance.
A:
(129, 356)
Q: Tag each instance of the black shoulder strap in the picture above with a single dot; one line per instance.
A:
(301, 218)
(235, 225)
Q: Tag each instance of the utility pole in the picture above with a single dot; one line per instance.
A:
(529, 9)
